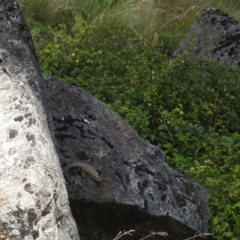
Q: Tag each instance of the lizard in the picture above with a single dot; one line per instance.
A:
(93, 173)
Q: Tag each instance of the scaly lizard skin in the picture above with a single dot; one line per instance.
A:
(89, 169)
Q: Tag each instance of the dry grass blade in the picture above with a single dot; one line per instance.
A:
(120, 234)
(199, 235)
(164, 234)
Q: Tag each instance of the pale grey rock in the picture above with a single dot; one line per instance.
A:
(139, 190)
(33, 196)
(214, 35)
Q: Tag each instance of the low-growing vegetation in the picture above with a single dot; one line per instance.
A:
(120, 51)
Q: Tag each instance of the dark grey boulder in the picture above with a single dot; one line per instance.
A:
(214, 35)
(139, 190)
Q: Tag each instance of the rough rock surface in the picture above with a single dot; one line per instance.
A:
(216, 35)
(139, 190)
(33, 195)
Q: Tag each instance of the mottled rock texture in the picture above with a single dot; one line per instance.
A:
(139, 190)
(33, 195)
(214, 35)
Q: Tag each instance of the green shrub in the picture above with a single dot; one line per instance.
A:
(219, 171)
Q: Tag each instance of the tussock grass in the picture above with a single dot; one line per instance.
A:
(44, 11)
(157, 21)
(150, 18)
(90, 10)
